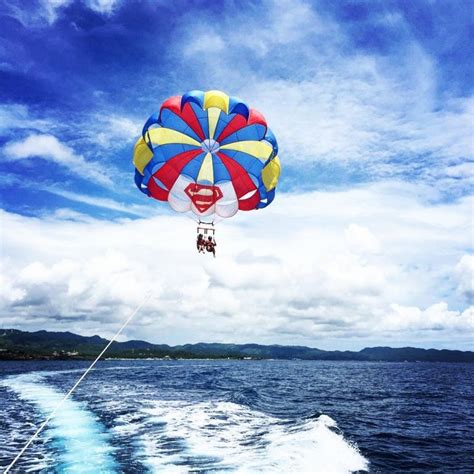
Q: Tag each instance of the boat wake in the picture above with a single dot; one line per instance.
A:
(221, 436)
(75, 440)
(172, 436)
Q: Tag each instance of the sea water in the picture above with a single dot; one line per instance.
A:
(239, 416)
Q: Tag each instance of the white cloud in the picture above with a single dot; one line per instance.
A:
(18, 116)
(360, 239)
(50, 148)
(112, 131)
(46, 12)
(51, 8)
(328, 101)
(128, 208)
(204, 41)
(435, 318)
(463, 170)
(464, 273)
(261, 35)
(355, 120)
(328, 269)
(105, 7)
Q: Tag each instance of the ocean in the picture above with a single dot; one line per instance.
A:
(245, 416)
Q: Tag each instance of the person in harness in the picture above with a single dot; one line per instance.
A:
(200, 243)
(211, 245)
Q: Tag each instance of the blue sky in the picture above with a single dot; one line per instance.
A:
(368, 100)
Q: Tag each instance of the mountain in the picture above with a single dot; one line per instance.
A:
(412, 353)
(23, 345)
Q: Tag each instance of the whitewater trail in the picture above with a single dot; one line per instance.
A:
(224, 436)
(78, 439)
(179, 436)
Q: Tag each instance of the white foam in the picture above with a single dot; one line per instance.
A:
(226, 436)
(181, 436)
(76, 433)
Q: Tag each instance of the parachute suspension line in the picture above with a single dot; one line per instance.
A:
(206, 228)
(68, 394)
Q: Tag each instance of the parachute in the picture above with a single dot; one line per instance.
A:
(208, 154)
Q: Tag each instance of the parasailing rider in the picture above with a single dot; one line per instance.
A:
(200, 243)
(211, 245)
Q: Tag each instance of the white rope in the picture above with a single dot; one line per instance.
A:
(68, 394)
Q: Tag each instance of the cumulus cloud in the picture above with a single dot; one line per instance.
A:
(360, 239)
(328, 269)
(378, 262)
(434, 318)
(50, 148)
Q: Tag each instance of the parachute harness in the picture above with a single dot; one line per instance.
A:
(205, 228)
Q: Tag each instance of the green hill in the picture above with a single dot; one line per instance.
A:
(23, 345)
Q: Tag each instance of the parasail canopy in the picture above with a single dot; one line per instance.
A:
(207, 153)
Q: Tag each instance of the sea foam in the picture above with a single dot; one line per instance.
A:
(181, 436)
(223, 436)
(75, 433)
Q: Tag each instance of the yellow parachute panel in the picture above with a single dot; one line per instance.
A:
(206, 173)
(164, 136)
(216, 99)
(271, 173)
(261, 150)
(142, 155)
(213, 114)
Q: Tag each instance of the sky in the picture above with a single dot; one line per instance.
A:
(369, 240)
